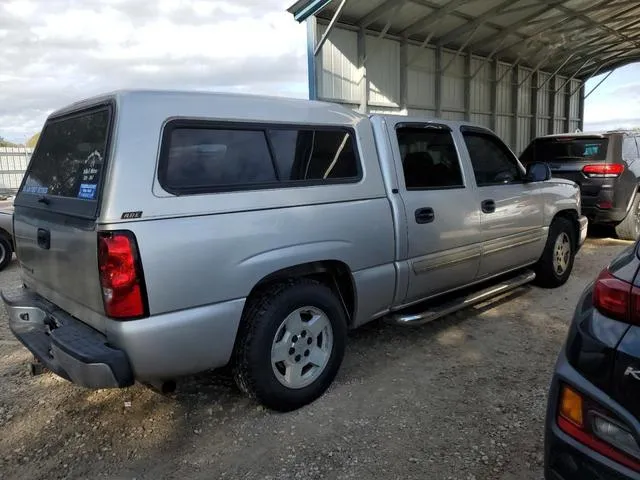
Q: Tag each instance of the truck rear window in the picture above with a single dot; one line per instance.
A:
(566, 149)
(70, 157)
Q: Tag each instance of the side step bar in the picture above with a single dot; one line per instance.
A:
(438, 311)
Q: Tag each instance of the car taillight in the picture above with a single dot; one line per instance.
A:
(586, 421)
(123, 289)
(604, 170)
(616, 298)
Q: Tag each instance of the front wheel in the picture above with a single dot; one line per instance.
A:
(555, 265)
(291, 344)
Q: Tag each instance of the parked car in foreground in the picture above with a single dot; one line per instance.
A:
(593, 415)
(6, 236)
(164, 233)
(605, 165)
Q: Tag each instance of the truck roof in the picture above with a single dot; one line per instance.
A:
(237, 106)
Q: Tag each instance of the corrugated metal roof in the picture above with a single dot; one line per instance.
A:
(575, 37)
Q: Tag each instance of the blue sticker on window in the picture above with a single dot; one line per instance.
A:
(88, 191)
(35, 189)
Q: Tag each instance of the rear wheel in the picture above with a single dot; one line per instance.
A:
(555, 264)
(291, 344)
(6, 251)
(629, 228)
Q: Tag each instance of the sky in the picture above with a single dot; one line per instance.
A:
(55, 52)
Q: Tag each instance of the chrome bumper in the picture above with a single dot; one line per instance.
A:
(584, 225)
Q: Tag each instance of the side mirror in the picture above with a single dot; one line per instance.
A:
(538, 172)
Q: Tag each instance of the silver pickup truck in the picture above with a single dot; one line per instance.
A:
(165, 233)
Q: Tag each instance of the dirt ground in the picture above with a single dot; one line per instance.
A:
(461, 398)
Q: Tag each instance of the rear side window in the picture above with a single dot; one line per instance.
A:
(314, 154)
(429, 158)
(200, 157)
(70, 157)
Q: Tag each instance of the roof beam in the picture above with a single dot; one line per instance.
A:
(547, 29)
(479, 20)
(516, 25)
(379, 12)
(424, 22)
(592, 22)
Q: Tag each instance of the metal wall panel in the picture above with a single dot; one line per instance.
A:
(453, 81)
(417, 112)
(481, 119)
(524, 91)
(340, 80)
(503, 128)
(505, 92)
(574, 125)
(560, 96)
(524, 131)
(575, 99)
(421, 77)
(338, 75)
(558, 126)
(383, 71)
(543, 95)
(542, 127)
(480, 86)
(449, 115)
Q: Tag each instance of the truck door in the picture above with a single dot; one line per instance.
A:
(511, 210)
(442, 212)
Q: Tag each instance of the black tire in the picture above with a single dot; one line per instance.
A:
(6, 251)
(261, 322)
(629, 228)
(547, 276)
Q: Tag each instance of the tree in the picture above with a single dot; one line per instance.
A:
(31, 143)
(6, 143)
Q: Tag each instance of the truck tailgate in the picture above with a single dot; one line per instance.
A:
(56, 210)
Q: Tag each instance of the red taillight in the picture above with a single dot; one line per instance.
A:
(616, 298)
(121, 278)
(607, 170)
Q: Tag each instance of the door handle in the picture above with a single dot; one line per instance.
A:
(488, 206)
(44, 238)
(425, 215)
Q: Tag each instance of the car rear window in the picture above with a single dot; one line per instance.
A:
(201, 157)
(568, 149)
(70, 156)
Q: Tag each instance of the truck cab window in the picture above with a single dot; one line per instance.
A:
(429, 158)
(493, 163)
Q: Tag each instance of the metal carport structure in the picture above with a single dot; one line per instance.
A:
(518, 67)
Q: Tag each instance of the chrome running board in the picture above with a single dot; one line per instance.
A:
(438, 311)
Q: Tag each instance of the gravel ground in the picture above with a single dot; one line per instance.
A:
(461, 398)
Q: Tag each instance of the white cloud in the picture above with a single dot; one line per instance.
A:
(57, 51)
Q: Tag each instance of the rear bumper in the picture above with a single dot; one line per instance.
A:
(584, 225)
(156, 348)
(65, 345)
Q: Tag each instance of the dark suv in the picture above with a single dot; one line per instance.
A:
(605, 166)
(593, 416)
